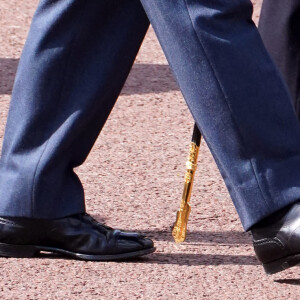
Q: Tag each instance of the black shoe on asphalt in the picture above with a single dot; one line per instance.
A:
(78, 236)
(276, 240)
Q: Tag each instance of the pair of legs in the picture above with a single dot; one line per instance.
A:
(279, 27)
(74, 64)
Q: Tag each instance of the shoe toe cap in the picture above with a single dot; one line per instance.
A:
(133, 242)
(147, 243)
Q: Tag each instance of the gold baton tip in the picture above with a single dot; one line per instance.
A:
(180, 228)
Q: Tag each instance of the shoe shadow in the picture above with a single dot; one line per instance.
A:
(288, 281)
(177, 259)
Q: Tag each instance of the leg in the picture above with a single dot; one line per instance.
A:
(279, 27)
(74, 64)
(237, 98)
(76, 59)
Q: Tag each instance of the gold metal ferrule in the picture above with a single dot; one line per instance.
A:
(180, 227)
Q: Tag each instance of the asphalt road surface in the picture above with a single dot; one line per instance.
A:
(133, 180)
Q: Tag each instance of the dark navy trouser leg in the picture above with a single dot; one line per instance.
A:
(74, 64)
(237, 98)
(279, 27)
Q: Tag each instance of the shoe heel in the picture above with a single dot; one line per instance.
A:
(282, 264)
(17, 251)
(275, 267)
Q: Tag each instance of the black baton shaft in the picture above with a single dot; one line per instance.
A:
(196, 135)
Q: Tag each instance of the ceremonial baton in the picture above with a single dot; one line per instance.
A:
(180, 227)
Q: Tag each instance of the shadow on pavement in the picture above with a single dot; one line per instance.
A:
(186, 259)
(288, 281)
(143, 78)
(180, 259)
(8, 67)
(211, 237)
(149, 78)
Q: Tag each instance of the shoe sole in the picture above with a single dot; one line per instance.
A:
(281, 264)
(27, 251)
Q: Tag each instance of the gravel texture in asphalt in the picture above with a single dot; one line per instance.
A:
(133, 179)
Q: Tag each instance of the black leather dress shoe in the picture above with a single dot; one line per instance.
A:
(276, 240)
(79, 236)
